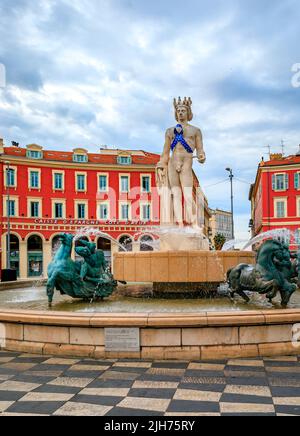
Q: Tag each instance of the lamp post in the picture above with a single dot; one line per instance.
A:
(8, 214)
(231, 176)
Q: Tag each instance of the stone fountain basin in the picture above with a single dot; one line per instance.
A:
(183, 336)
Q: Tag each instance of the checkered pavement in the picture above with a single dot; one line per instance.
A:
(45, 385)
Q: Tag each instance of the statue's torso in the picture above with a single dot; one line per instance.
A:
(189, 133)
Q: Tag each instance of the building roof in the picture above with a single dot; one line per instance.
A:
(220, 211)
(279, 160)
(108, 157)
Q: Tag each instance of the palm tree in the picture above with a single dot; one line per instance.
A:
(219, 241)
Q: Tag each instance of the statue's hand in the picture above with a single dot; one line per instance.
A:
(161, 175)
(201, 158)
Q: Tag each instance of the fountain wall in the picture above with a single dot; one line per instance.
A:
(179, 266)
(206, 335)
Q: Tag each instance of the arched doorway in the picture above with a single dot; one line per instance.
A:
(14, 253)
(126, 242)
(146, 242)
(105, 245)
(56, 243)
(35, 256)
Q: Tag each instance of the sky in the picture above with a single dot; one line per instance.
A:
(105, 72)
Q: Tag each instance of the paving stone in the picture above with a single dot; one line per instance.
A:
(82, 409)
(250, 399)
(118, 411)
(72, 382)
(46, 397)
(97, 399)
(193, 406)
(152, 404)
(4, 405)
(18, 386)
(152, 393)
(34, 407)
(246, 408)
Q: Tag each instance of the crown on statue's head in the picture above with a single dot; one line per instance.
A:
(187, 102)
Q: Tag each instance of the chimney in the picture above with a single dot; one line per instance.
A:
(276, 156)
(1, 146)
(298, 154)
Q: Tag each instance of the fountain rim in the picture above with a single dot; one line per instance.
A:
(168, 319)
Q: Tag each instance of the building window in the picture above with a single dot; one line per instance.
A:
(10, 178)
(103, 186)
(11, 208)
(81, 211)
(297, 181)
(124, 160)
(280, 209)
(146, 184)
(103, 212)
(34, 179)
(58, 181)
(58, 210)
(33, 154)
(80, 182)
(80, 158)
(125, 184)
(280, 182)
(125, 210)
(34, 209)
(146, 212)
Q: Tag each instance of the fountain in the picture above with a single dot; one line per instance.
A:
(176, 324)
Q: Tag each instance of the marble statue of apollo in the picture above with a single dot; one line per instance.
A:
(174, 172)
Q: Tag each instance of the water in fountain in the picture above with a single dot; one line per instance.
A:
(86, 232)
(175, 238)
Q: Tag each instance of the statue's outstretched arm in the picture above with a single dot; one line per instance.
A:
(199, 147)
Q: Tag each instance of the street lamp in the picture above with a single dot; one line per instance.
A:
(8, 214)
(231, 176)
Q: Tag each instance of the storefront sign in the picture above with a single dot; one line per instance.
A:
(72, 222)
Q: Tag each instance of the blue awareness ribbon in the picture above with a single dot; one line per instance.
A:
(179, 138)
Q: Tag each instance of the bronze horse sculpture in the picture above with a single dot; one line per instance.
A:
(89, 279)
(273, 273)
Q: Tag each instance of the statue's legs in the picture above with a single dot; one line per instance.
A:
(186, 179)
(176, 190)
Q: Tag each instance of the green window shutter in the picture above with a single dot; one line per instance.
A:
(273, 182)
(286, 181)
(296, 180)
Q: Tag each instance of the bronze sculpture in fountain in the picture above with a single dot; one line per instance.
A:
(273, 273)
(89, 279)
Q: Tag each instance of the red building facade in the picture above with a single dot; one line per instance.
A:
(45, 193)
(275, 197)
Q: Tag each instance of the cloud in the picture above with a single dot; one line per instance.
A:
(92, 72)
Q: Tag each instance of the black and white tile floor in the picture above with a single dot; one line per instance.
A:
(40, 385)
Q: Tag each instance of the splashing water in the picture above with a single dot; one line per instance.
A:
(88, 231)
(230, 245)
(279, 234)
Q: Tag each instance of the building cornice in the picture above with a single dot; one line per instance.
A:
(71, 165)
